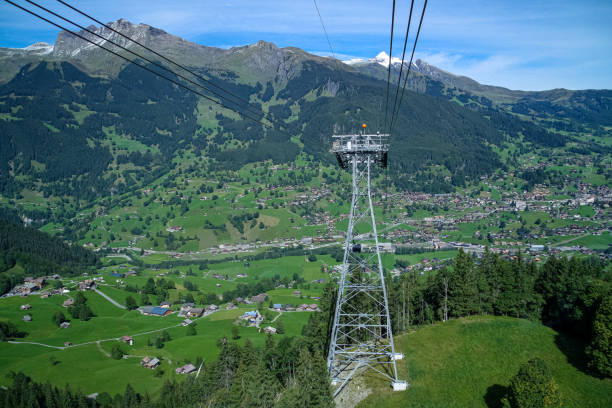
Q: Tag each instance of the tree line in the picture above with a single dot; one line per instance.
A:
(570, 294)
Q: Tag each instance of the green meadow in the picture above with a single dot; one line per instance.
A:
(469, 362)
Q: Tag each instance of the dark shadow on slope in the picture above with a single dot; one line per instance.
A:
(573, 349)
(494, 395)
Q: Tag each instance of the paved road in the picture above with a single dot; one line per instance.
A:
(103, 340)
(37, 344)
(569, 240)
(109, 298)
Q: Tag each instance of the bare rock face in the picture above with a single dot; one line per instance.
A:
(266, 58)
(68, 46)
(262, 61)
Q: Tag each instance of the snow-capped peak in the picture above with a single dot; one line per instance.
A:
(382, 58)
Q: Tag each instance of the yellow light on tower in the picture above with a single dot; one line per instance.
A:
(364, 126)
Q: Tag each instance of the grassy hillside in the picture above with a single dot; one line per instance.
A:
(469, 362)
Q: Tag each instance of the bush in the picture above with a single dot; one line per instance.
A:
(130, 303)
(58, 318)
(533, 387)
(116, 352)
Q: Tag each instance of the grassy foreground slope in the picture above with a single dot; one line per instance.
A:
(469, 362)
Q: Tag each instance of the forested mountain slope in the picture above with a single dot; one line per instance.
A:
(60, 124)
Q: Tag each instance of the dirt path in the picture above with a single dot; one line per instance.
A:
(277, 316)
(107, 354)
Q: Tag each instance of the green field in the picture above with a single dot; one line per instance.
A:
(74, 365)
(468, 362)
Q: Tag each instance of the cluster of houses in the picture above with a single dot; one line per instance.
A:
(189, 310)
(291, 308)
(29, 286)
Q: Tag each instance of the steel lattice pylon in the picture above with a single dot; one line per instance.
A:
(361, 334)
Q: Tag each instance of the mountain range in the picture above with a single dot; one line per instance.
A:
(69, 110)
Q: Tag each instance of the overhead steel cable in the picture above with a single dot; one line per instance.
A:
(409, 66)
(399, 80)
(324, 30)
(163, 57)
(389, 68)
(141, 66)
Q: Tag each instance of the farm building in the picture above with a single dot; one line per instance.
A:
(253, 317)
(68, 302)
(270, 330)
(64, 325)
(127, 339)
(186, 322)
(27, 318)
(155, 311)
(277, 307)
(259, 298)
(166, 304)
(186, 369)
(150, 363)
(25, 307)
(195, 312)
(67, 344)
(87, 284)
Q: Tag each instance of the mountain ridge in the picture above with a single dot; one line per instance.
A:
(93, 97)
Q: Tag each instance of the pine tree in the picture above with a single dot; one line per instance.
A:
(463, 289)
(599, 351)
(227, 363)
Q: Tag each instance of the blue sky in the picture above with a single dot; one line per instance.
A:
(519, 44)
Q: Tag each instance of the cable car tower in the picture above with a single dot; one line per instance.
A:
(361, 334)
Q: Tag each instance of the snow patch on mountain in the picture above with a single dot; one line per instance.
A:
(39, 48)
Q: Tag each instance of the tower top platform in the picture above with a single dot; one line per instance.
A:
(347, 147)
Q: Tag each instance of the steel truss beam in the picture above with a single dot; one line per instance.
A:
(361, 334)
